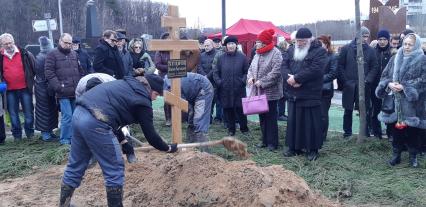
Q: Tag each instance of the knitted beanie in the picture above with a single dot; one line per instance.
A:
(266, 36)
(383, 34)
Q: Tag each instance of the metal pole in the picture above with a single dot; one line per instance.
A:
(60, 17)
(49, 30)
(223, 18)
(47, 16)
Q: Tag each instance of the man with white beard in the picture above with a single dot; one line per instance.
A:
(302, 70)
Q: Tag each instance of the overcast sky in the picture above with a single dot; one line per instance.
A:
(207, 13)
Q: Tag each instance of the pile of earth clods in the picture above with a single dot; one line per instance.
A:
(184, 179)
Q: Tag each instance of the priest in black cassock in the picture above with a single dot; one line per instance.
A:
(302, 70)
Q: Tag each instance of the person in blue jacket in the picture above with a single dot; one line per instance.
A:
(198, 91)
(99, 112)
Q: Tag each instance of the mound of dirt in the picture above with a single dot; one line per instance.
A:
(183, 179)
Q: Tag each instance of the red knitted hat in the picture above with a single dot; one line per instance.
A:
(266, 36)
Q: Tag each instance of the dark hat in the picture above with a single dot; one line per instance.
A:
(201, 39)
(156, 82)
(266, 36)
(121, 36)
(165, 35)
(45, 43)
(216, 39)
(76, 40)
(92, 83)
(407, 31)
(231, 38)
(303, 33)
(122, 31)
(383, 33)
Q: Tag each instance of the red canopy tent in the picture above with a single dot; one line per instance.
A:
(246, 31)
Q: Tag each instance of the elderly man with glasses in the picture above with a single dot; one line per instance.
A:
(107, 57)
(17, 71)
(63, 72)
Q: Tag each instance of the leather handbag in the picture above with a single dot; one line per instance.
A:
(388, 104)
(257, 104)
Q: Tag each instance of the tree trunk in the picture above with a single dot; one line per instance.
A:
(361, 82)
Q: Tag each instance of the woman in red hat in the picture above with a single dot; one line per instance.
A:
(264, 76)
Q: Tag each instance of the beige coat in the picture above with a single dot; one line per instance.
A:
(266, 68)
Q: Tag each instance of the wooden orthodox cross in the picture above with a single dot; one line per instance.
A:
(172, 22)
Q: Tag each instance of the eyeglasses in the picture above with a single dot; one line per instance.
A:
(114, 40)
(137, 47)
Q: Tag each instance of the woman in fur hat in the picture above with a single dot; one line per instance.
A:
(405, 78)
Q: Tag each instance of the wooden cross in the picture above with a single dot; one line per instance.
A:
(172, 22)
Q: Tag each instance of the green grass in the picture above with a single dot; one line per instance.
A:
(355, 174)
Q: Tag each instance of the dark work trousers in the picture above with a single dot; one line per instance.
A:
(269, 125)
(325, 107)
(410, 137)
(281, 107)
(167, 112)
(2, 130)
(347, 117)
(231, 115)
(376, 105)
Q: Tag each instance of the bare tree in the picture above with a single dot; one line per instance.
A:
(361, 82)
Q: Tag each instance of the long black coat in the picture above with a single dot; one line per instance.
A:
(230, 77)
(108, 60)
(308, 72)
(46, 110)
(330, 73)
(348, 72)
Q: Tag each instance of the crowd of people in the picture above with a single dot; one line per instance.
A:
(299, 74)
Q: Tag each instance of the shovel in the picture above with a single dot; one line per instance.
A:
(232, 144)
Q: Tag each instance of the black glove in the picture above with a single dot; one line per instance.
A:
(127, 148)
(172, 148)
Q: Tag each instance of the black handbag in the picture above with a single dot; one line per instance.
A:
(388, 104)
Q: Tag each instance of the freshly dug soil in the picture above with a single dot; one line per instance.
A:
(185, 179)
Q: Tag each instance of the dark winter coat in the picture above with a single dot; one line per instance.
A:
(412, 76)
(160, 59)
(383, 57)
(46, 109)
(348, 72)
(127, 62)
(108, 60)
(85, 60)
(122, 102)
(143, 60)
(308, 72)
(266, 68)
(63, 72)
(205, 66)
(330, 73)
(28, 61)
(230, 77)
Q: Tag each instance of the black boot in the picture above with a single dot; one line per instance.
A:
(66, 194)
(413, 160)
(396, 157)
(115, 196)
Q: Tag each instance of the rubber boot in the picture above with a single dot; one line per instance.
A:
(396, 157)
(190, 134)
(66, 194)
(202, 137)
(115, 196)
(413, 160)
(168, 114)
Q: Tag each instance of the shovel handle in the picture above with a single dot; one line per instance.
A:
(186, 145)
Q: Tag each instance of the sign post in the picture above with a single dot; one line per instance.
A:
(47, 16)
(172, 22)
